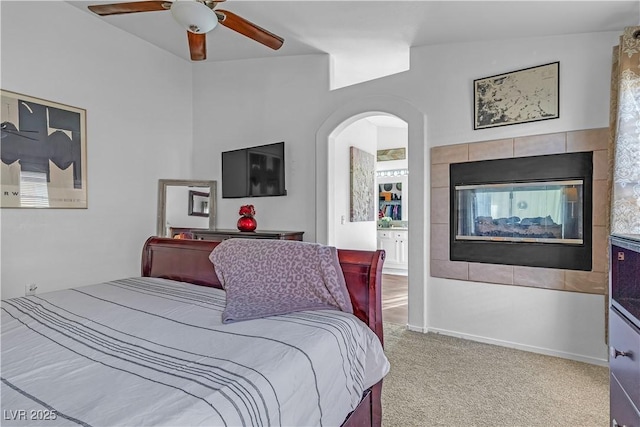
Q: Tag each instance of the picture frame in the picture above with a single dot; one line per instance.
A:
(198, 203)
(43, 153)
(391, 154)
(362, 176)
(171, 214)
(521, 96)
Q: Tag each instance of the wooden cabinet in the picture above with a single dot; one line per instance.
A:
(395, 243)
(623, 413)
(624, 332)
(220, 235)
(624, 364)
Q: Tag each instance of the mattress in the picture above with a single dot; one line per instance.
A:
(148, 351)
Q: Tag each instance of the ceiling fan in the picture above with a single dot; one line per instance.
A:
(198, 17)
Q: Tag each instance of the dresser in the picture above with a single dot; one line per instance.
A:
(624, 330)
(221, 234)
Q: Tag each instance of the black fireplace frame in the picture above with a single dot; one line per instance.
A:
(554, 167)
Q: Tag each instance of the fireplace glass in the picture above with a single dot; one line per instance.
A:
(536, 212)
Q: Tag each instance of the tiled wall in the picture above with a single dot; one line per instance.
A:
(594, 282)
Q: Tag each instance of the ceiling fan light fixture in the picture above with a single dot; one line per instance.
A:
(194, 16)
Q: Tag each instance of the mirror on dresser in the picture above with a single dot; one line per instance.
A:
(184, 205)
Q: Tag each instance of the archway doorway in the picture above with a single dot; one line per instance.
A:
(382, 138)
(326, 217)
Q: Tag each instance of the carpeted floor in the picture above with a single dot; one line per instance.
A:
(437, 380)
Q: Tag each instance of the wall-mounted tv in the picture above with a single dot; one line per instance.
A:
(254, 172)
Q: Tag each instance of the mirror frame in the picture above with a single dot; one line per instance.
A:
(192, 195)
(161, 228)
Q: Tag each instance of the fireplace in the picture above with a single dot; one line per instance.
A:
(530, 211)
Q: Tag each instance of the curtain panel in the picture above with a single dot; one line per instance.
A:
(625, 134)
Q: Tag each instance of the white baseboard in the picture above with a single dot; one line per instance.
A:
(417, 329)
(395, 271)
(518, 346)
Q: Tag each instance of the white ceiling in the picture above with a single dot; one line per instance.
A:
(338, 27)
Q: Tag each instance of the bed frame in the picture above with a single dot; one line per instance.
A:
(188, 261)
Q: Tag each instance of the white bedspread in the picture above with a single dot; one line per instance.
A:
(146, 351)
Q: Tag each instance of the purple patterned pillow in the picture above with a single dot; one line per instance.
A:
(269, 277)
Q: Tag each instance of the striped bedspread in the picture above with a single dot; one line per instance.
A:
(146, 351)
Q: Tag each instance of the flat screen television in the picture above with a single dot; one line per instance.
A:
(254, 171)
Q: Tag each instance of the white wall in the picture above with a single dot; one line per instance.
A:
(393, 137)
(565, 324)
(351, 235)
(276, 100)
(138, 103)
(251, 103)
(585, 75)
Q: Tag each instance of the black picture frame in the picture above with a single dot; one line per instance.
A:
(198, 203)
(522, 96)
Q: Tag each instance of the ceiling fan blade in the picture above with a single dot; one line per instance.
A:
(197, 46)
(137, 6)
(249, 29)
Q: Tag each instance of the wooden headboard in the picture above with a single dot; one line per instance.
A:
(188, 261)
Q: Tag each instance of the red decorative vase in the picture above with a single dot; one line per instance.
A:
(247, 223)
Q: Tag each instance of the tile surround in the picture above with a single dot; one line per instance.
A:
(491, 273)
(450, 154)
(590, 282)
(538, 277)
(490, 150)
(440, 175)
(600, 164)
(440, 205)
(593, 282)
(439, 234)
(599, 249)
(450, 269)
(539, 145)
(600, 210)
(587, 140)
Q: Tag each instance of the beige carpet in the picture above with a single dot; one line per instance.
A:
(436, 380)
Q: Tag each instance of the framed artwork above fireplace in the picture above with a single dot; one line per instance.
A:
(521, 96)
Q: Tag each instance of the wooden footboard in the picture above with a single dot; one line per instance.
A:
(188, 261)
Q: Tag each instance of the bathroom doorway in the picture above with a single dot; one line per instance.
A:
(385, 138)
(328, 217)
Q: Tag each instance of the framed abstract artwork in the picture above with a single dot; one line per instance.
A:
(392, 154)
(521, 96)
(362, 186)
(43, 153)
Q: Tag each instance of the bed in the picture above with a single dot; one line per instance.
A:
(152, 350)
